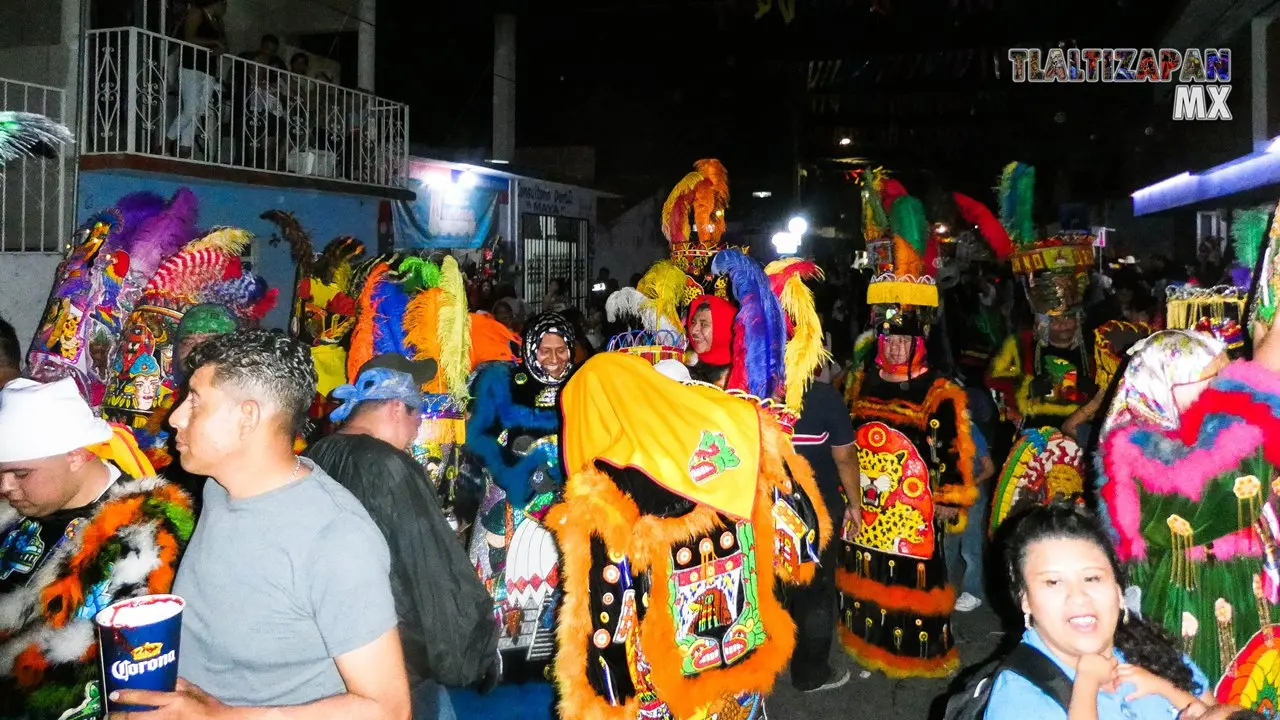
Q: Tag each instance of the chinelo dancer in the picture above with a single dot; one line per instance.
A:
(916, 455)
(1044, 373)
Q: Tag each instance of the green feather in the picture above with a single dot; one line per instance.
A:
(907, 216)
(24, 134)
(419, 274)
(1248, 228)
(1017, 202)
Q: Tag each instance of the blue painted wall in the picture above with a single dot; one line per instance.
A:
(324, 215)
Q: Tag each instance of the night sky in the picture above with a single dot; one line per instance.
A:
(655, 84)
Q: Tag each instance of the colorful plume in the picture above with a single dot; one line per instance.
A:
(988, 224)
(25, 134)
(455, 329)
(760, 327)
(804, 352)
(1017, 202)
(668, 287)
(362, 338)
(875, 221)
(1248, 231)
(909, 223)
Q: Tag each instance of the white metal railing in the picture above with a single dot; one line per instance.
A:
(33, 190)
(148, 94)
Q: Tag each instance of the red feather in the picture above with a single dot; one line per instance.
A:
(990, 227)
(806, 269)
(890, 190)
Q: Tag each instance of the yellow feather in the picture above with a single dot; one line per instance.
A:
(229, 240)
(454, 329)
(421, 327)
(805, 352)
(664, 285)
(682, 188)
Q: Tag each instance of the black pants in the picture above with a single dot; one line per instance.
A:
(813, 608)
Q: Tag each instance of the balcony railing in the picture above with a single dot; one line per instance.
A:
(34, 190)
(148, 94)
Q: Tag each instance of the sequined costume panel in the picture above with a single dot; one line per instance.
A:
(915, 454)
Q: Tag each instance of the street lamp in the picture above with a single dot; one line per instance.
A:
(797, 226)
(786, 243)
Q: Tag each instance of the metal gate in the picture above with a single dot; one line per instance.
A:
(554, 248)
(35, 192)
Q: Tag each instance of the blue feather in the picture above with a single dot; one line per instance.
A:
(760, 328)
(492, 411)
(390, 301)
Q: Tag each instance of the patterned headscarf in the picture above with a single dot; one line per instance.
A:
(1158, 364)
(548, 323)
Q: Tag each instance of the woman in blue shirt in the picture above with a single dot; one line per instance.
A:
(1064, 573)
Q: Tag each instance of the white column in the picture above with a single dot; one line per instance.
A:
(1258, 89)
(504, 87)
(367, 50)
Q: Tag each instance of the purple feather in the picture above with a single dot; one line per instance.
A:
(164, 234)
(760, 327)
(128, 214)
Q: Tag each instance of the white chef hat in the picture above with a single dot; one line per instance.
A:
(43, 420)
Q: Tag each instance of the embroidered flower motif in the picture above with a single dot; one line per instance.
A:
(1190, 626)
(1178, 525)
(1222, 610)
(1246, 486)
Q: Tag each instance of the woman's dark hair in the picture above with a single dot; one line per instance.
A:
(1143, 643)
(10, 350)
(707, 373)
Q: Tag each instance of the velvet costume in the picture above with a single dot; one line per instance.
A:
(1183, 503)
(669, 574)
(513, 435)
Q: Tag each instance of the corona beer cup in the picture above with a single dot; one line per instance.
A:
(138, 644)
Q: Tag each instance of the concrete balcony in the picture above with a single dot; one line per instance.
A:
(151, 102)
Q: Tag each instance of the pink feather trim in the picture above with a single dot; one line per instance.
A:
(1241, 543)
(1127, 466)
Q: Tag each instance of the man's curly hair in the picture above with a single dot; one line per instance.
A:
(265, 365)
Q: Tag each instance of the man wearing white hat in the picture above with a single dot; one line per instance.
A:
(82, 525)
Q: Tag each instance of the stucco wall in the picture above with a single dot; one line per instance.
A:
(25, 279)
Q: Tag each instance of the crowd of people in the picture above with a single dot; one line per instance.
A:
(400, 507)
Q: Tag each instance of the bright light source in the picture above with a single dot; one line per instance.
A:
(786, 243)
(845, 142)
(495, 161)
(468, 179)
(762, 194)
(797, 226)
(438, 178)
(598, 287)
(942, 229)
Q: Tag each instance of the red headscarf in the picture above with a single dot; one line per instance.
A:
(722, 314)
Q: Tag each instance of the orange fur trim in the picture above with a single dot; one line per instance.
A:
(160, 580)
(68, 590)
(874, 658)
(361, 350)
(684, 695)
(29, 667)
(593, 504)
(938, 602)
(966, 493)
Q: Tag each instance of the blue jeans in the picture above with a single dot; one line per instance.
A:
(431, 701)
(968, 546)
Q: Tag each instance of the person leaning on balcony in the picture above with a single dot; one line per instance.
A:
(204, 27)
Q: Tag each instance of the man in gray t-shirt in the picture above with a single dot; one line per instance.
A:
(286, 578)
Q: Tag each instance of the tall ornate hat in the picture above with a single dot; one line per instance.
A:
(903, 292)
(1054, 270)
(693, 217)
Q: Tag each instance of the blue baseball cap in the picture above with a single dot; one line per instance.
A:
(377, 383)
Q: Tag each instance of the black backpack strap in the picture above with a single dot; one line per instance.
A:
(1041, 671)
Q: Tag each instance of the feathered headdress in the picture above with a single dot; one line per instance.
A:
(651, 336)
(1064, 259)
(804, 351)
(902, 276)
(760, 327)
(379, 319)
(24, 134)
(209, 270)
(696, 205)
